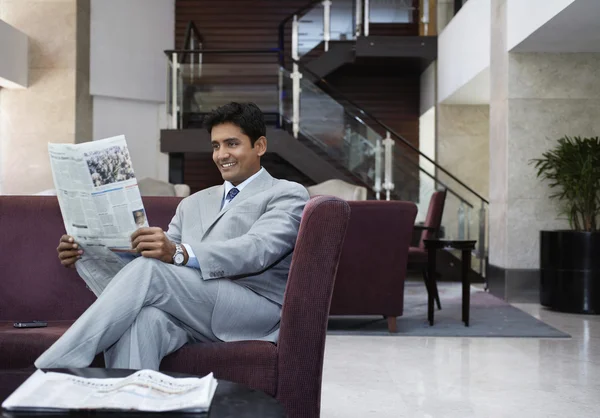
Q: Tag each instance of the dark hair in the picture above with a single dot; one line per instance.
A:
(247, 116)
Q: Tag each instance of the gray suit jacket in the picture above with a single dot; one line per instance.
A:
(250, 240)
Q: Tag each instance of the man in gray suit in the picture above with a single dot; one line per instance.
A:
(217, 274)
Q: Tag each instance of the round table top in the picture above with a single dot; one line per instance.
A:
(230, 399)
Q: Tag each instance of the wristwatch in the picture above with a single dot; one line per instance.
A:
(179, 255)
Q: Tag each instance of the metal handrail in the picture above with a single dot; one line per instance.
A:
(222, 51)
(322, 82)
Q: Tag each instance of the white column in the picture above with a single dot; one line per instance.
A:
(174, 89)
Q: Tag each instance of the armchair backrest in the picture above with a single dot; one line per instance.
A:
(306, 304)
(33, 283)
(370, 278)
(434, 216)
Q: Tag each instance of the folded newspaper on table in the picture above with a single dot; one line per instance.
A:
(145, 390)
(97, 191)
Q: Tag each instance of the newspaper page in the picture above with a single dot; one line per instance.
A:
(97, 191)
(145, 390)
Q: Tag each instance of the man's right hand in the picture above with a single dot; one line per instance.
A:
(68, 251)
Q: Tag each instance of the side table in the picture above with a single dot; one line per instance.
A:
(465, 247)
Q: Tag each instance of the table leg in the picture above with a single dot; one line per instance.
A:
(431, 263)
(466, 286)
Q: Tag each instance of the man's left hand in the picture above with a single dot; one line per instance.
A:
(152, 242)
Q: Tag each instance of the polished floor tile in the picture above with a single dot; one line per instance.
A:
(467, 377)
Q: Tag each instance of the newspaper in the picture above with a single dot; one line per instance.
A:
(145, 390)
(97, 191)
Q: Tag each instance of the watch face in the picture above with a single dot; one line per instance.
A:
(179, 258)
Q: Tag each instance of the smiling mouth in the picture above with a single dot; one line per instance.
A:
(228, 165)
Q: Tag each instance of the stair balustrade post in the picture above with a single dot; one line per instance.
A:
(296, 76)
(425, 18)
(481, 238)
(174, 90)
(388, 184)
(367, 17)
(461, 221)
(378, 152)
(326, 23)
(358, 18)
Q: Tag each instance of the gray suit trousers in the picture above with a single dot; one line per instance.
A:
(147, 309)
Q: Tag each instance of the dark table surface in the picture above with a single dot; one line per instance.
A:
(457, 244)
(230, 400)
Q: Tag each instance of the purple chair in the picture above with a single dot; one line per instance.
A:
(417, 256)
(372, 269)
(35, 286)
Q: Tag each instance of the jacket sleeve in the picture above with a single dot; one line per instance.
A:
(270, 238)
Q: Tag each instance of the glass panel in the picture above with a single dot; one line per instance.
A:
(326, 124)
(208, 80)
(342, 20)
(310, 30)
(391, 11)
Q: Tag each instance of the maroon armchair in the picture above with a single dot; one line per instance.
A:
(33, 285)
(372, 269)
(417, 256)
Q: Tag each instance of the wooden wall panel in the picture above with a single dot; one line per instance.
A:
(387, 89)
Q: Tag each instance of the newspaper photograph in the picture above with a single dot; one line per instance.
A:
(97, 191)
(145, 390)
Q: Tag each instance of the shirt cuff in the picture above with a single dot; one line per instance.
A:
(192, 260)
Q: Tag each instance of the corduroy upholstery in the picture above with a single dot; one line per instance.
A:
(372, 270)
(417, 256)
(33, 285)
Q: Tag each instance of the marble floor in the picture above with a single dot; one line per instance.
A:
(467, 377)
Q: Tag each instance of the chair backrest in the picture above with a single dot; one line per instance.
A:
(306, 304)
(338, 188)
(33, 283)
(370, 278)
(435, 212)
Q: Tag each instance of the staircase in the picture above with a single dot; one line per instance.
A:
(313, 127)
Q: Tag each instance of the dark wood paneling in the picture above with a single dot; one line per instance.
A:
(387, 89)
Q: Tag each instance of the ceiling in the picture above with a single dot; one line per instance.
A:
(575, 29)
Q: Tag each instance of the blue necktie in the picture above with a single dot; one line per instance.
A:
(232, 193)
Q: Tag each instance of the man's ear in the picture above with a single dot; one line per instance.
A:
(261, 146)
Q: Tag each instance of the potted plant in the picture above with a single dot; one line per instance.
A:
(570, 259)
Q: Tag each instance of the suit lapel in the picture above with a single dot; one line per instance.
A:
(260, 183)
(210, 207)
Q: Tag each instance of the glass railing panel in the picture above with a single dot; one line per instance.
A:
(207, 80)
(391, 11)
(326, 124)
(310, 29)
(342, 20)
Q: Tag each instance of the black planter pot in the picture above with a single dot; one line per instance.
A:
(570, 271)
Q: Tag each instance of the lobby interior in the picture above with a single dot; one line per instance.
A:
(465, 93)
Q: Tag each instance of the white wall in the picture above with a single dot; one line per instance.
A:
(464, 47)
(139, 122)
(525, 17)
(428, 87)
(14, 61)
(128, 74)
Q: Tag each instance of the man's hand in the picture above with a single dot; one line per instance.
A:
(152, 242)
(68, 251)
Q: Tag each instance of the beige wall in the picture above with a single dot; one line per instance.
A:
(57, 98)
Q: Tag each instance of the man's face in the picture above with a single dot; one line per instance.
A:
(233, 153)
